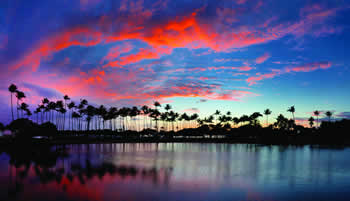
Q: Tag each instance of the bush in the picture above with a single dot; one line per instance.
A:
(48, 129)
(23, 128)
(2, 127)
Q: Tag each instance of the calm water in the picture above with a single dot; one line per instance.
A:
(178, 172)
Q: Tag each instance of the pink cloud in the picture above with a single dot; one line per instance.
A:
(303, 68)
(253, 80)
(309, 67)
(263, 58)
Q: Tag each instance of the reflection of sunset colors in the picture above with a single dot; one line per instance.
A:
(243, 56)
(181, 171)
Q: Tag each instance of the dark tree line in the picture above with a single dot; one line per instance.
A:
(67, 114)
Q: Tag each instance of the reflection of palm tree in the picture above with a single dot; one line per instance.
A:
(329, 115)
(12, 89)
(311, 122)
(267, 112)
(316, 113)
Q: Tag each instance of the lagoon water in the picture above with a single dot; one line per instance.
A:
(178, 172)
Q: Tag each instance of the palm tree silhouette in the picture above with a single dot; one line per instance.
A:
(236, 120)
(90, 112)
(37, 111)
(12, 89)
(253, 118)
(145, 112)
(316, 113)
(281, 122)
(156, 105)
(292, 110)
(193, 118)
(217, 113)
(311, 121)
(267, 112)
(66, 98)
(19, 95)
(71, 105)
(23, 107)
(329, 115)
(244, 118)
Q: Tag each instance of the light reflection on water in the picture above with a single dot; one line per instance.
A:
(180, 171)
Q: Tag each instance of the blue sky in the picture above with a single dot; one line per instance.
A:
(239, 55)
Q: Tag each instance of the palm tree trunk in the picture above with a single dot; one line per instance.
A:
(12, 107)
(17, 108)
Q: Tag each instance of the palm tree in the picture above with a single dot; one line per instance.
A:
(194, 117)
(217, 113)
(112, 114)
(329, 115)
(267, 112)
(236, 120)
(90, 112)
(253, 118)
(20, 95)
(71, 105)
(37, 111)
(281, 122)
(244, 118)
(155, 116)
(316, 113)
(66, 98)
(311, 122)
(44, 107)
(167, 108)
(163, 118)
(156, 105)
(101, 112)
(145, 112)
(12, 89)
(75, 115)
(292, 110)
(23, 107)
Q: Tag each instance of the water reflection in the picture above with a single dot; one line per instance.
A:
(174, 171)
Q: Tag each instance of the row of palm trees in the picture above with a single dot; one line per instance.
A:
(84, 116)
(20, 105)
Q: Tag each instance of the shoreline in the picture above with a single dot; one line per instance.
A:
(84, 140)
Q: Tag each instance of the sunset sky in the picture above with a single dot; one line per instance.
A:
(199, 56)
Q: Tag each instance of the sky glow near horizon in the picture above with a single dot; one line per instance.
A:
(240, 56)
